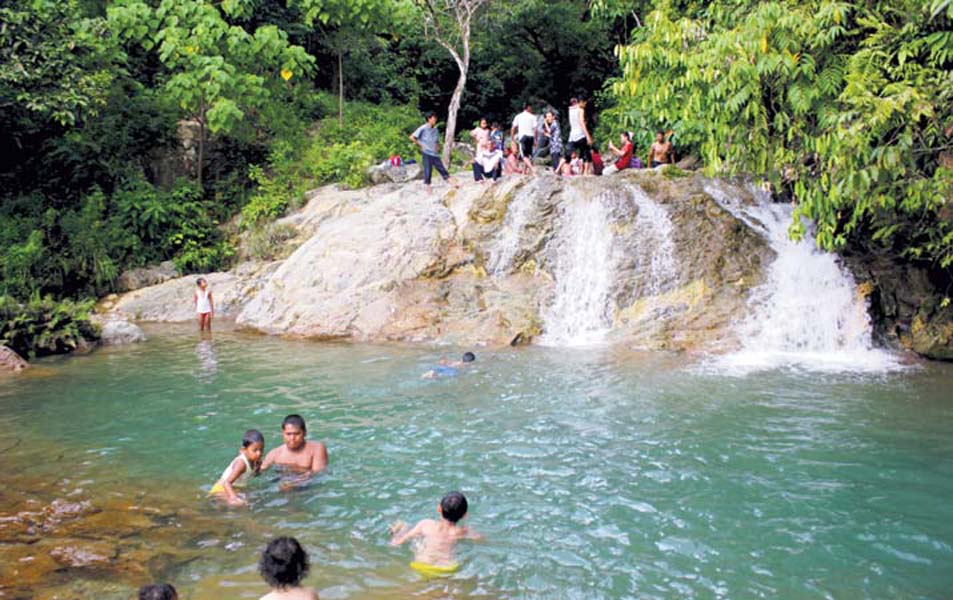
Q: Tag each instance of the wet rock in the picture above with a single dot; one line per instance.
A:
(387, 173)
(135, 279)
(477, 265)
(116, 332)
(83, 553)
(10, 361)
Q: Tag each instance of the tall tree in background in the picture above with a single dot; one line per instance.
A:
(449, 22)
(346, 23)
(214, 70)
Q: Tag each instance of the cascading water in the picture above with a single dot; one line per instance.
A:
(593, 258)
(808, 313)
(580, 312)
(507, 244)
(656, 260)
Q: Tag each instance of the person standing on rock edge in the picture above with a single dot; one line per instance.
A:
(524, 132)
(427, 136)
(204, 304)
(661, 151)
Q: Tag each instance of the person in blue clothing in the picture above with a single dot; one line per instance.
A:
(449, 368)
(427, 136)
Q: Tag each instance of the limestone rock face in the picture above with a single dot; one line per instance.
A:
(135, 279)
(10, 361)
(117, 332)
(640, 258)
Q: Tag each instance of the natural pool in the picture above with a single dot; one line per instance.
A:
(594, 473)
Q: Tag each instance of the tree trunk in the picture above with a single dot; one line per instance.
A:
(452, 117)
(340, 87)
(201, 157)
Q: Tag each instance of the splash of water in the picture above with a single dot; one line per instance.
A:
(808, 313)
(584, 273)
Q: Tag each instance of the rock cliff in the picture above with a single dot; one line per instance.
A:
(640, 258)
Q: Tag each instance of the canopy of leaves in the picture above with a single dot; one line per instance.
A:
(845, 106)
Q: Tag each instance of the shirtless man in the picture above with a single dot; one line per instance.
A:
(297, 454)
(661, 151)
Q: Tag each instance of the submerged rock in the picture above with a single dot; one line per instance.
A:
(10, 361)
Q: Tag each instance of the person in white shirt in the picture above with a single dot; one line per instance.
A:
(524, 131)
(580, 139)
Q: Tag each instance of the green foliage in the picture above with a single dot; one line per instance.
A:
(844, 105)
(370, 135)
(56, 65)
(42, 326)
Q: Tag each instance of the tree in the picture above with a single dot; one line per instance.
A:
(348, 23)
(846, 107)
(449, 22)
(215, 71)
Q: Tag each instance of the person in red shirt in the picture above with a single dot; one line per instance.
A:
(624, 154)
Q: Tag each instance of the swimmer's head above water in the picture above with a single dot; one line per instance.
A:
(469, 357)
(158, 591)
(294, 431)
(284, 563)
(453, 507)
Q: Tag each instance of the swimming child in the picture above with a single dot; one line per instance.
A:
(204, 304)
(298, 454)
(434, 554)
(283, 565)
(158, 591)
(245, 466)
(449, 368)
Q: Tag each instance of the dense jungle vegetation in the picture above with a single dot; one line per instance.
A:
(846, 108)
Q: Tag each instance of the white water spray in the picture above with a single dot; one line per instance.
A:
(655, 260)
(808, 313)
(580, 312)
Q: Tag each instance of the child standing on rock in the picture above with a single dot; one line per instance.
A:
(204, 305)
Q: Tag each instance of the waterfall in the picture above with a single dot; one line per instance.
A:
(808, 312)
(507, 242)
(615, 243)
(655, 260)
(584, 272)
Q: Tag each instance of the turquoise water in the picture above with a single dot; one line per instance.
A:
(593, 473)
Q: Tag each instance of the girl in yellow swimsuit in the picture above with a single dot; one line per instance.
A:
(242, 468)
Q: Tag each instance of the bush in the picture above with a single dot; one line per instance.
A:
(268, 241)
(42, 326)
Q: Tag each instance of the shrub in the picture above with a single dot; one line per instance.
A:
(42, 326)
(269, 241)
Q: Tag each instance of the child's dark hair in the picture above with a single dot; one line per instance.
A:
(284, 563)
(453, 507)
(158, 591)
(294, 421)
(469, 357)
(252, 436)
(429, 114)
(200, 280)
(495, 125)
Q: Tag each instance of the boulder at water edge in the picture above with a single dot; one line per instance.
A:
(10, 361)
(116, 332)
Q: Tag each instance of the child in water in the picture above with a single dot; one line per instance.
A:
(434, 554)
(283, 565)
(449, 368)
(245, 466)
(158, 591)
(204, 304)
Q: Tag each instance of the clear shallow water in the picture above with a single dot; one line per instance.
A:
(593, 473)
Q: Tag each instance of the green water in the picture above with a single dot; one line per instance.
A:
(592, 473)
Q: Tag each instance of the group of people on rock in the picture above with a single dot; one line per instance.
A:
(531, 138)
